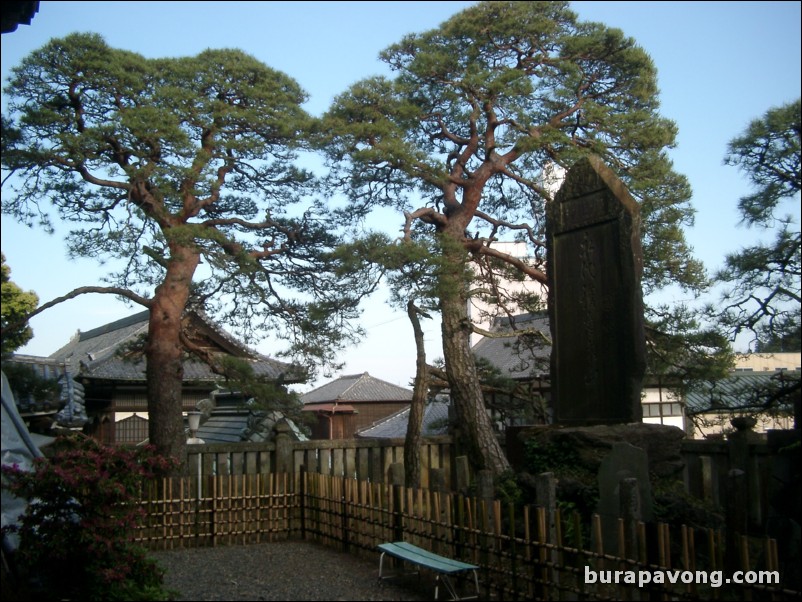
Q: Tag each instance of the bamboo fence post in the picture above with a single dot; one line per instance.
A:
(250, 479)
(480, 546)
(237, 505)
(287, 498)
(623, 591)
(383, 493)
(269, 488)
(192, 503)
(345, 505)
(370, 531)
(225, 503)
(643, 555)
(596, 530)
(513, 539)
(449, 508)
(264, 485)
(469, 529)
(409, 512)
(686, 556)
(437, 523)
(323, 505)
(530, 590)
(743, 549)
(713, 552)
(244, 510)
(422, 516)
(164, 508)
(496, 536)
(304, 483)
(214, 509)
(770, 547)
(597, 534)
(667, 543)
(582, 558)
(282, 495)
(398, 523)
(362, 509)
(557, 555)
(542, 536)
(459, 517)
(497, 532)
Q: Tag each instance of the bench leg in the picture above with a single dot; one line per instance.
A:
(449, 587)
(381, 561)
(476, 582)
(398, 574)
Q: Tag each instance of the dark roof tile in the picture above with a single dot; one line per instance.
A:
(357, 388)
(93, 353)
(740, 389)
(435, 422)
(509, 354)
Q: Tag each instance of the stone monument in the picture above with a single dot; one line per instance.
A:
(595, 300)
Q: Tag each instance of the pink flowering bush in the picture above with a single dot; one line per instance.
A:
(76, 535)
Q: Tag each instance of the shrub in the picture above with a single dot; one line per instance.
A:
(76, 535)
(507, 488)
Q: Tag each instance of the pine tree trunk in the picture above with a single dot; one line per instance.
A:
(164, 355)
(412, 470)
(475, 435)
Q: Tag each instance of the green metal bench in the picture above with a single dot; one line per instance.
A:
(442, 566)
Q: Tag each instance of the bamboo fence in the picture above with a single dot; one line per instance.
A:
(529, 553)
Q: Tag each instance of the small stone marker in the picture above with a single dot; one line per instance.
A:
(595, 300)
(624, 462)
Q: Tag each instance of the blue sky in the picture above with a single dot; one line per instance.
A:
(720, 65)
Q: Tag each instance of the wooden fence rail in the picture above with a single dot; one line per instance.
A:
(522, 555)
(363, 459)
(768, 465)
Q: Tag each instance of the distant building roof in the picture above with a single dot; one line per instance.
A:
(516, 356)
(357, 388)
(94, 353)
(739, 390)
(232, 426)
(41, 404)
(334, 408)
(225, 428)
(435, 422)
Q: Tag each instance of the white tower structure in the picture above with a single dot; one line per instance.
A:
(552, 178)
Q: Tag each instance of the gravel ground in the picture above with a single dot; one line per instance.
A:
(283, 571)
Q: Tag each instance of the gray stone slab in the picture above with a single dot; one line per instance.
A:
(624, 462)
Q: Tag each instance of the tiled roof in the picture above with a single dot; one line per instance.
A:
(45, 367)
(516, 360)
(435, 422)
(738, 390)
(224, 428)
(229, 426)
(357, 388)
(99, 344)
(94, 353)
(334, 408)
